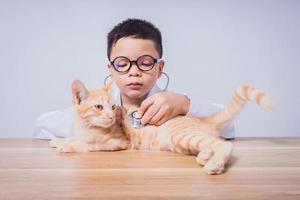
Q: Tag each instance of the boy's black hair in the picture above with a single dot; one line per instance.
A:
(137, 28)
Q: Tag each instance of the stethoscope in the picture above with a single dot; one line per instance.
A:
(135, 118)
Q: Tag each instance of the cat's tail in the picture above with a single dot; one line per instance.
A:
(233, 108)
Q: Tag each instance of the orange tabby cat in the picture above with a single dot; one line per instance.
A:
(96, 125)
(190, 135)
(97, 128)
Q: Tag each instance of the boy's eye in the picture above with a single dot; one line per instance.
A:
(147, 64)
(146, 61)
(113, 107)
(121, 62)
(98, 107)
(121, 65)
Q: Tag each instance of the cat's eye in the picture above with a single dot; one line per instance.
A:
(98, 107)
(113, 107)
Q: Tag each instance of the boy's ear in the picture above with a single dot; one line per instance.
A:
(161, 67)
(110, 68)
(79, 91)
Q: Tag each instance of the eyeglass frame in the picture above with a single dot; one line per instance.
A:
(131, 62)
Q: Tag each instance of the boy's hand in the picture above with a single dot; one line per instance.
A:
(163, 106)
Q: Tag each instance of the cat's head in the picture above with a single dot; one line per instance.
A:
(95, 107)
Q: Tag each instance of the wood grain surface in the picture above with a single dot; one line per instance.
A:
(260, 168)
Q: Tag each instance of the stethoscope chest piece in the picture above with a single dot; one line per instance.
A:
(135, 120)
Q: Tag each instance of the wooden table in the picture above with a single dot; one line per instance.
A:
(259, 169)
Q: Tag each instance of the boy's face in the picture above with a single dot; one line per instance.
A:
(135, 83)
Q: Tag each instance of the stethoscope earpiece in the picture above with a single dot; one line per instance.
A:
(168, 80)
(106, 78)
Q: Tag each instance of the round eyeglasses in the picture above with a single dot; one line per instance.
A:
(144, 63)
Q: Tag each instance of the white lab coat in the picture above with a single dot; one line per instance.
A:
(60, 123)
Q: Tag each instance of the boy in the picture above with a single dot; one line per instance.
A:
(134, 50)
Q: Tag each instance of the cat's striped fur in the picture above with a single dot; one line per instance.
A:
(182, 134)
(197, 136)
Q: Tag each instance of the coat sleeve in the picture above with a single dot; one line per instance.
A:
(54, 124)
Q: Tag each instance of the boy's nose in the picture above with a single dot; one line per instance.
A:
(134, 71)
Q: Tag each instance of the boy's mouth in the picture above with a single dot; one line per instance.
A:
(135, 85)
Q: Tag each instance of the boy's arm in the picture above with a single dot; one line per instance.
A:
(163, 106)
(54, 124)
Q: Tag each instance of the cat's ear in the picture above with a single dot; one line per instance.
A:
(79, 91)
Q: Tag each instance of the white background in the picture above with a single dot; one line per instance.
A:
(210, 48)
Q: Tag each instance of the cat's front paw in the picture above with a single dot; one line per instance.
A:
(125, 145)
(55, 142)
(214, 166)
(204, 156)
(72, 148)
(65, 148)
